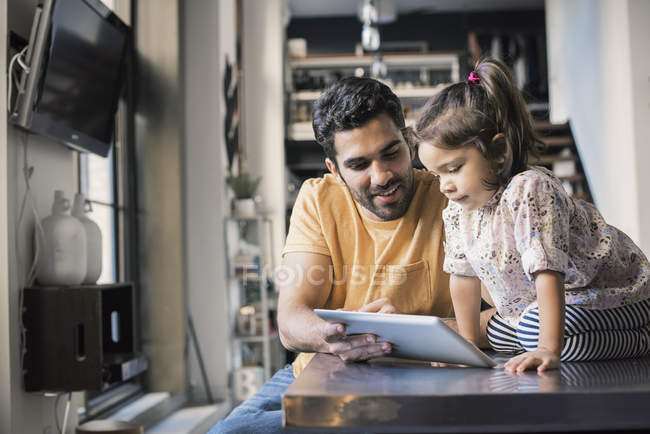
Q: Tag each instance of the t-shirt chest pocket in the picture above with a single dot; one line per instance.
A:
(407, 286)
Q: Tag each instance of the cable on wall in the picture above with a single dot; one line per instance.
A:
(61, 429)
(18, 57)
(26, 279)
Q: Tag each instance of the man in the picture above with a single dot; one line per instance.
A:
(366, 237)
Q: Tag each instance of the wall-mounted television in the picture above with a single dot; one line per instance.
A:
(76, 55)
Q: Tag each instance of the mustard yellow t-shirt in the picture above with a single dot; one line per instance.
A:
(399, 259)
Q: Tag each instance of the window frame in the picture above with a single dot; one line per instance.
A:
(125, 235)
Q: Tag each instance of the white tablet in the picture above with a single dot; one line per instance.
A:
(416, 337)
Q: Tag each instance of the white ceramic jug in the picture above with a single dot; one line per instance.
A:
(62, 257)
(93, 239)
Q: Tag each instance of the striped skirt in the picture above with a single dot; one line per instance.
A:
(616, 333)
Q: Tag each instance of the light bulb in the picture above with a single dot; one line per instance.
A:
(370, 37)
(368, 12)
(378, 68)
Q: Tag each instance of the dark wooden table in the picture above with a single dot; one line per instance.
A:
(393, 396)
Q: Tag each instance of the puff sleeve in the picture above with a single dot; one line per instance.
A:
(540, 211)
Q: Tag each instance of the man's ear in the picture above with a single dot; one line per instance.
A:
(332, 168)
(410, 139)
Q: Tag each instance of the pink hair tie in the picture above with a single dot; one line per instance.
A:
(473, 78)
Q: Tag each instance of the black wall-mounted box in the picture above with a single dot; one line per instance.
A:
(79, 338)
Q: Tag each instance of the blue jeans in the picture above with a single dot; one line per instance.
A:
(262, 412)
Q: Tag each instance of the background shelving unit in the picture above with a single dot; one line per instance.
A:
(255, 350)
(414, 77)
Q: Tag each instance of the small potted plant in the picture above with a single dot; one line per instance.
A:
(244, 187)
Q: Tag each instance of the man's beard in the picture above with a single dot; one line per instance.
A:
(389, 211)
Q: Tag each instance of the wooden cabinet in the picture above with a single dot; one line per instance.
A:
(79, 338)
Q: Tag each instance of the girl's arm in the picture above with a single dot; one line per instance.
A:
(466, 297)
(550, 299)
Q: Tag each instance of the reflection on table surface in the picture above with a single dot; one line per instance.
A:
(389, 395)
(329, 375)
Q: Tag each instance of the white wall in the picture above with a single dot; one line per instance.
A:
(598, 79)
(208, 34)
(639, 13)
(263, 105)
(53, 169)
(5, 356)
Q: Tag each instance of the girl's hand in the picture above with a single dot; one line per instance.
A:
(541, 358)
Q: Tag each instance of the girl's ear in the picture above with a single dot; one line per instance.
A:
(499, 147)
(502, 152)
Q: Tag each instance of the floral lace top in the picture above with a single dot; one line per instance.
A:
(531, 225)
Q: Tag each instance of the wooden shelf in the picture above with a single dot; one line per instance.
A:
(300, 131)
(430, 61)
(558, 141)
(550, 159)
(308, 166)
(251, 277)
(547, 126)
(415, 92)
(303, 131)
(579, 177)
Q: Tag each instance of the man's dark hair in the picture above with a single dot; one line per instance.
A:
(351, 103)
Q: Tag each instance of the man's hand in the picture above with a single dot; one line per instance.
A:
(381, 305)
(301, 329)
(353, 348)
(358, 347)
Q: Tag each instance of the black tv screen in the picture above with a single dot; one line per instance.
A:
(81, 76)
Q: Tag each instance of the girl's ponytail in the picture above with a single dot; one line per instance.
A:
(488, 112)
(512, 116)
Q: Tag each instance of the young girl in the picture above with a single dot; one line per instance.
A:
(566, 285)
